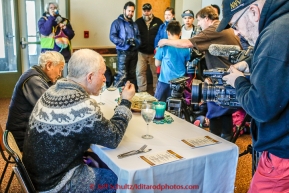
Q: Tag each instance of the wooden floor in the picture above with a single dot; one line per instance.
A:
(244, 170)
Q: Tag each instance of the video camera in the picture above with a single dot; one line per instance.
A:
(131, 42)
(236, 57)
(177, 86)
(195, 57)
(218, 92)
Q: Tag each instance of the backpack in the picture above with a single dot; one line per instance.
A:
(62, 41)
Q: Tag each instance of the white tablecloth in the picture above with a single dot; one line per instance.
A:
(209, 169)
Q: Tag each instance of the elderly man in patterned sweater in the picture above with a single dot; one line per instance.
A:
(63, 124)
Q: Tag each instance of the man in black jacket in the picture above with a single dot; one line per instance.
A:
(148, 26)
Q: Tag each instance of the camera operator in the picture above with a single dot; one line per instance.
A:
(208, 20)
(124, 33)
(51, 24)
(265, 96)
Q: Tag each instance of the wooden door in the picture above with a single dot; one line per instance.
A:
(158, 7)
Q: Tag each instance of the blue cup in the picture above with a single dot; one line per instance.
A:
(160, 109)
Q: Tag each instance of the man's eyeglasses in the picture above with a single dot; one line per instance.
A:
(234, 25)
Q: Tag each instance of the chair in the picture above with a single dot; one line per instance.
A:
(7, 160)
(19, 168)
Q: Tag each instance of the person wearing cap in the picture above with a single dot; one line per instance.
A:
(264, 23)
(148, 26)
(188, 28)
(220, 118)
(124, 33)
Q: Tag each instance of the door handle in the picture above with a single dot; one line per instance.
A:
(24, 43)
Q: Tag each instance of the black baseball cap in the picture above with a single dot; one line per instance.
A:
(146, 6)
(229, 8)
(188, 13)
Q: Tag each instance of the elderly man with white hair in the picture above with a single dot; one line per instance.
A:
(66, 121)
(28, 89)
(264, 23)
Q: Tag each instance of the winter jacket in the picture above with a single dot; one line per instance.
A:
(162, 33)
(21, 107)
(148, 35)
(121, 31)
(46, 25)
(265, 97)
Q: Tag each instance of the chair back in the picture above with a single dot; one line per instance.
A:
(19, 169)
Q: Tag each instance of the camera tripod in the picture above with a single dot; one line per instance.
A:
(179, 107)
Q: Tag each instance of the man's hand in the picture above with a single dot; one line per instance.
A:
(162, 42)
(242, 66)
(62, 26)
(128, 91)
(234, 74)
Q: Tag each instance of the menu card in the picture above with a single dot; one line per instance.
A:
(200, 141)
(161, 158)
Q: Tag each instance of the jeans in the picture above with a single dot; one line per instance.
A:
(222, 126)
(126, 67)
(163, 91)
(141, 71)
(91, 180)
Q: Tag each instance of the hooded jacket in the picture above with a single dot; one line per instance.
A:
(122, 30)
(265, 97)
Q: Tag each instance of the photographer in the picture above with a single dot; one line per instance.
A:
(52, 24)
(208, 20)
(124, 33)
(265, 96)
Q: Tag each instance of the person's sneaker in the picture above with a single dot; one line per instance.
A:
(197, 123)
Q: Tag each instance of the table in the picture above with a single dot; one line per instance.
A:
(209, 169)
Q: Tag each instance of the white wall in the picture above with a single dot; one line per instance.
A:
(95, 17)
(217, 2)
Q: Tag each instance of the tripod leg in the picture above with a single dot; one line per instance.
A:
(185, 111)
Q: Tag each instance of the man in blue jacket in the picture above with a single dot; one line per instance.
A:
(124, 33)
(264, 23)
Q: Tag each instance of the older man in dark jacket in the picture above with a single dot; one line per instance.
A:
(29, 88)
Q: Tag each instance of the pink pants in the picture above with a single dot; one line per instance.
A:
(272, 175)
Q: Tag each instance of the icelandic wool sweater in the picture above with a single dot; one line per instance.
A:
(63, 124)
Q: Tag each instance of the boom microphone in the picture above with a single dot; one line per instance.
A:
(223, 50)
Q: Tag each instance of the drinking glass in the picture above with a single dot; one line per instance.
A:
(148, 112)
(101, 91)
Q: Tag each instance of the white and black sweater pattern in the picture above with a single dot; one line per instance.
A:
(63, 124)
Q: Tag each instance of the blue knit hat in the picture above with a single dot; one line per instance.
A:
(229, 8)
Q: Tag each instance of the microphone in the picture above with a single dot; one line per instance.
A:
(223, 50)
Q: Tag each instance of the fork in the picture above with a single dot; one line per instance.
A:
(133, 151)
